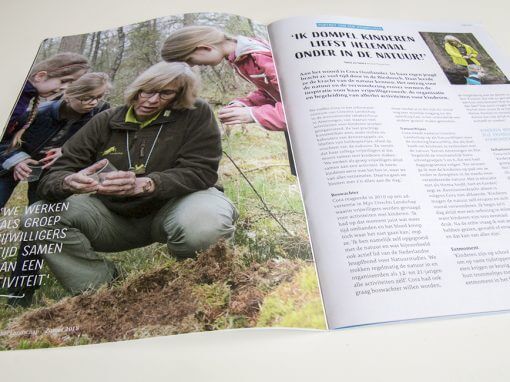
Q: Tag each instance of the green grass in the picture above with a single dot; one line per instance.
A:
(262, 156)
(294, 304)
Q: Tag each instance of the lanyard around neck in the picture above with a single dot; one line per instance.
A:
(140, 169)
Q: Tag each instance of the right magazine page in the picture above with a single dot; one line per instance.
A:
(402, 143)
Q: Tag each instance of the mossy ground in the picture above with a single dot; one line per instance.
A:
(263, 277)
(295, 303)
(215, 291)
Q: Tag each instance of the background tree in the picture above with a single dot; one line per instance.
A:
(120, 51)
(94, 47)
(127, 51)
(74, 44)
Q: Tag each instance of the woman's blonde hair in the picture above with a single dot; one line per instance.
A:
(87, 84)
(160, 75)
(449, 38)
(183, 42)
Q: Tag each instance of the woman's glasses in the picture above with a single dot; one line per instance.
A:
(164, 95)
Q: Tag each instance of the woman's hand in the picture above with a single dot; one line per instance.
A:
(121, 184)
(114, 183)
(235, 114)
(117, 183)
(144, 186)
(81, 182)
(22, 170)
(51, 157)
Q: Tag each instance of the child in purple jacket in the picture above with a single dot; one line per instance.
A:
(47, 78)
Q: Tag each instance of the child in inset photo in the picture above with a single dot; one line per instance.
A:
(465, 57)
(251, 59)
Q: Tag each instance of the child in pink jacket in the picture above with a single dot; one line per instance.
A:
(251, 58)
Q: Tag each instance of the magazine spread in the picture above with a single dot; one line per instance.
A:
(401, 138)
(148, 185)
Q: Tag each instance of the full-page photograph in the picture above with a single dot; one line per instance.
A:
(148, 188)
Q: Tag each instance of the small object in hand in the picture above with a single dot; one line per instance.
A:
(100, 175)
(35, 175)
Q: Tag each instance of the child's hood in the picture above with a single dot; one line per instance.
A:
(246, 45)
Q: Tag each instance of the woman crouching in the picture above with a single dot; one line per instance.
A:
(135, 175)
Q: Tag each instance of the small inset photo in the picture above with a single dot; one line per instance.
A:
(463, 60)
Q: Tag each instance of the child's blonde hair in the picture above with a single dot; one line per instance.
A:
(183, 42)
(61, 64)
(87, 84)
(58, 65)
(162, 74)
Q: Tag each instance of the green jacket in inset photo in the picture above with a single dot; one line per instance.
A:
(458, 58)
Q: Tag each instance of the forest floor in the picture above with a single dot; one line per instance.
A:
(264, 276)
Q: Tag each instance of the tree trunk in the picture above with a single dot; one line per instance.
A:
(250, 26)
(120, 53)
(436, 46)
(92, 42)
(93, 60)
(45, 48)
(75, 44)
(189, 19)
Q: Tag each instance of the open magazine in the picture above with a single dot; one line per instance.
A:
(137, 203)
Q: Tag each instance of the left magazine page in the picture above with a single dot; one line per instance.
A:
(147, 189)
